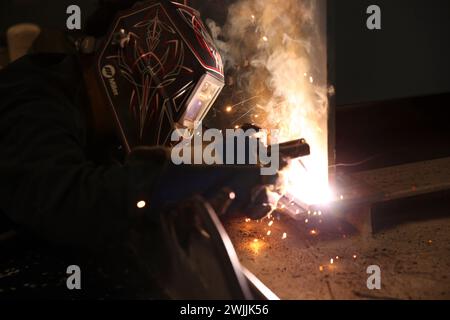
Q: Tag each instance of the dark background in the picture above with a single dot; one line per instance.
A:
(408, 57)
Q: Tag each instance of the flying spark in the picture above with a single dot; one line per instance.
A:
(141, 204)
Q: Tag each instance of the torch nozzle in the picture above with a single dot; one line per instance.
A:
(293, 149)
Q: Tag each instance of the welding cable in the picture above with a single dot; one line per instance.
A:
(355, 164)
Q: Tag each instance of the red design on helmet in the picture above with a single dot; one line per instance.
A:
(160, 69)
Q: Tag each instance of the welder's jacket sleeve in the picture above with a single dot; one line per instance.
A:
(47, 183)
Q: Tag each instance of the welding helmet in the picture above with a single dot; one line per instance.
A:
(159, 70)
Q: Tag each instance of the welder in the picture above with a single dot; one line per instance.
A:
(84, 134)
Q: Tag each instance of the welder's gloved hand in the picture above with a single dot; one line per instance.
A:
(244, 185)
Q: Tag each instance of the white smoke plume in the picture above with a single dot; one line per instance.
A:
(276, 50)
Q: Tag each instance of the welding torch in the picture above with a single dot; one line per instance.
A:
(292, 150)
(259, 203)
(289, 150)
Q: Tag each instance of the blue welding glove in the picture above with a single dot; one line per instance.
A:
(244, 185)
